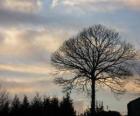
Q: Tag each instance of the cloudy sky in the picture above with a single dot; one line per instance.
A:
(31, 30)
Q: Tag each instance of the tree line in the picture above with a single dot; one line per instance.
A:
(36, 107)
(45, 106)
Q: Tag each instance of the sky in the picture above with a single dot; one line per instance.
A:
(31, 30)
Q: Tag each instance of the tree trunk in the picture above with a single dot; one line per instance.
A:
(93, 110)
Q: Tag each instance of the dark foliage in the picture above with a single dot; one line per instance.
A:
(15, 106)
(36, 107)
(46, 106)
(4, 103)
(66, 107)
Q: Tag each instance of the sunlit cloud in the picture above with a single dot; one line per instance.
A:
(27, 68)
(133, 3)
(133, 87)
(28, 42)
(16, 87)
(11, 42)
(21, 90)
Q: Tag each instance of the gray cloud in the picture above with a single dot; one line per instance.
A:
(17, 74)
(12, 18)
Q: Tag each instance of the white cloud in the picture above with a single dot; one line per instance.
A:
(97, 5)
(55, 3)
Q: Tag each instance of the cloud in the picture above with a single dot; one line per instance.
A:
(80, 105)
(133, 3)
(14, 18)
(33, 69)
(29, 41)
(49, 40)
(85, 5)
(24, 61)
(21, 5)
(28, 46)
(133, 87)
(11, 41)
(97, 5)
(21, 12)
(29, 87)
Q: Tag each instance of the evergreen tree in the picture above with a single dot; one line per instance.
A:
(36, 106)
(53, 108)
(15, 106)
(4, 109)
(66, 106)
(46, 105)
(25, 107)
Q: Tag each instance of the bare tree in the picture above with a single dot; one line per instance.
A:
(96, 56)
